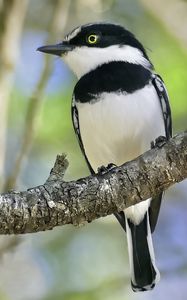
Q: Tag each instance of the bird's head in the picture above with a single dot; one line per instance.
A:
(91, 45)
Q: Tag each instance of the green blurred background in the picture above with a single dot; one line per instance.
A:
(88, 262)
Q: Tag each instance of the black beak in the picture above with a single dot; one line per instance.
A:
(58, 49)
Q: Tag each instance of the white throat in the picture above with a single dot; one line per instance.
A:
(84, 59)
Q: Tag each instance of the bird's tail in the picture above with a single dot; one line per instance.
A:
(141, 255)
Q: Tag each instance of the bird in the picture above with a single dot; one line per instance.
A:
(119, 107)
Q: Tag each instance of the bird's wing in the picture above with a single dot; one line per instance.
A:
(166, 111)
(75, 120)
(164, 102)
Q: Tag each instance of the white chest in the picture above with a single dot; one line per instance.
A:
(119, 127)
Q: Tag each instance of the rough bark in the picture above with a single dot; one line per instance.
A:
(57, 202)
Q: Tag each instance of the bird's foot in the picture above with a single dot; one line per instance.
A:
(159, 142)
(103, 170)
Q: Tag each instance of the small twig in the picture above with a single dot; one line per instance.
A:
(59, 169)
(57, 202)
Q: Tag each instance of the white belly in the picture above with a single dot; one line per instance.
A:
(120, 127)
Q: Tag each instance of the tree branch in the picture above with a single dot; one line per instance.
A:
(58, 202)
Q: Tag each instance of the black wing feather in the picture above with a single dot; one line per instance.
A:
(166, 111)
(164, 102)
(75, 120)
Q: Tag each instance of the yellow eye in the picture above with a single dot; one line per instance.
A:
(92, 39)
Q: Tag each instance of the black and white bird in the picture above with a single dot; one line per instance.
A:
(119, 107)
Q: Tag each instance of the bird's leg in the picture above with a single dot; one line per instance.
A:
(103, 170)
(159, 142)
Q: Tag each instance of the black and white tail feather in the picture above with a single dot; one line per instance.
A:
(144, 273)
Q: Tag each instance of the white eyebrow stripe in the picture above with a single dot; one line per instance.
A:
(72, 34)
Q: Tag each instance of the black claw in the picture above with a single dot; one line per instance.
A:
(111, 166)
(152, 144)
(103, 170)
(159, 142)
